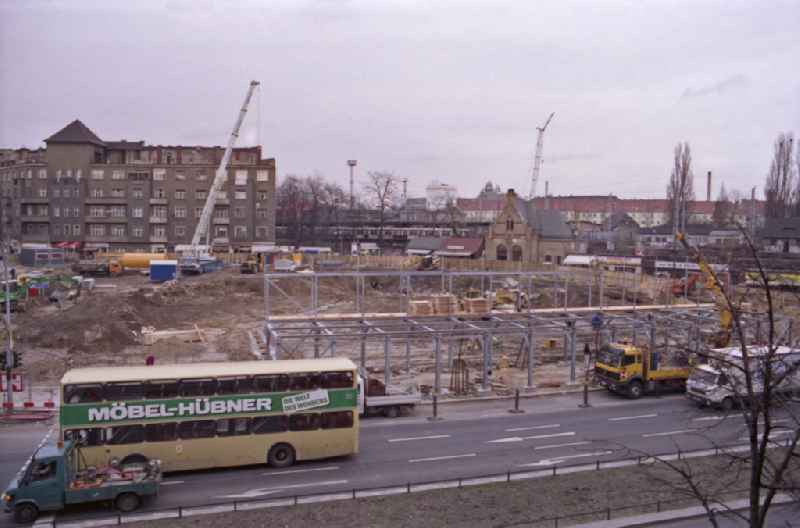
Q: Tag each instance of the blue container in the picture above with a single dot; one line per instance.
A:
(163, 270)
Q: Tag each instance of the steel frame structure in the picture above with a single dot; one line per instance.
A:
(684, 326)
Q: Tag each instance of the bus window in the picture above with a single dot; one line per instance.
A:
(244, 386)
(304, 422)
(233, 426)
(197, 429)
(299, 382)
(234, 386)
(83, 393)
(163, 432)
(337, 380)
(160, 389)
(124, 391)
(268, 424)
(337, 420)
(126, 434)
(85, 437)
(198, 387)
(272, 383)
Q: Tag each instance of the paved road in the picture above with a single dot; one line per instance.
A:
(473, 439)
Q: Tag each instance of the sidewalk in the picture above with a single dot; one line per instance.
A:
(667, 516)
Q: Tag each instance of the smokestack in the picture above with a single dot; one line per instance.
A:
(546, 194)
(708, 187)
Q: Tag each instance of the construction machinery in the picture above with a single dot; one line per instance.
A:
(253, 264)
(537, 160)
(508, 299)
(197, 259)
(633, 371)
(97, 268)
(685, 284)
(714, 285)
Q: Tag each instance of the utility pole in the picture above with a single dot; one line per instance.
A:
(10, 350)
(352, 164)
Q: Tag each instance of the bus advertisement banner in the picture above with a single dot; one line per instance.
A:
(192, 408)
(306, 400)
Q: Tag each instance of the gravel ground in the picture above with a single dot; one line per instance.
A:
(518, 504)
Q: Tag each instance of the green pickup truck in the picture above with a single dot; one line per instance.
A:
(53, 479)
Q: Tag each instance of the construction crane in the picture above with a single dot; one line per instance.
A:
(713, 284)
(537, 160)
(197, 259)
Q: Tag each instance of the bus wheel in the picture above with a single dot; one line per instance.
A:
(635, 389)
(281, 456)
(136, 459)
(127, 502)
(26, 513)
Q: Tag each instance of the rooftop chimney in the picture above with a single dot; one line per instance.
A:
(708, 187)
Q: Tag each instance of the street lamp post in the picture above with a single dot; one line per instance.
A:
(352, 164)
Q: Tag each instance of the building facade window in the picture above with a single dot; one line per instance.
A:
(240, 195)
(43, 192)
(262, 176)
(180, 230)
(137, 212)
(159, 193)
(118, 231)
(261, 233)
(238, 212)
(263, 195)
(138, 232)
(98, 174)
(180, 175)
(118, 211)
(97, 211)
(200, 194)
(42, 174)
(97, 230)
(117, 175)
(198, 211)
(241, 177)
(159, 231)
(240, 232)
(180, 212)
(96, 193)
(180, 194)
(501, 252)
(118, 193)
(159, 212)
(159, 174)
(137, 193)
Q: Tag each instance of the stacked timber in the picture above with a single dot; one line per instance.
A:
(477, 305)
(420, 308)
(445, 304)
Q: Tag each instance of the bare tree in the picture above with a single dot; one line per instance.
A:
(761, 381)
(781, 196)
(380, 189)
(680, 190)
(724, 209)
(290, 206)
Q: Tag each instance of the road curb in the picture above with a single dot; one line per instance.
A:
(522, 395)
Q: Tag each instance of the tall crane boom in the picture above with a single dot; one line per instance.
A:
(537, 160)
(219, 177)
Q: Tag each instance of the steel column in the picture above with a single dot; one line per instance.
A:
(387, 366)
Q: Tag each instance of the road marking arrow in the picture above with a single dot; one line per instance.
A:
(521, 438)
(260, 492)
(557, 460)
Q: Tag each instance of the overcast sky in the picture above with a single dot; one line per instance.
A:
(441, 90)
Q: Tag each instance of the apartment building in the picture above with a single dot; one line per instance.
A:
(81, 191)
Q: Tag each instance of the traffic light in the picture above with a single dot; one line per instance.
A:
(3, 360)
(17, 359)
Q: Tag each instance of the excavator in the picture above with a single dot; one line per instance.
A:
(713, 284)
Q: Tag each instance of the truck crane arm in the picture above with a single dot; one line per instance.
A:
(713, 284)
(221, 174)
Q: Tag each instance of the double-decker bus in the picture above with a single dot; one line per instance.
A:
(205, 415)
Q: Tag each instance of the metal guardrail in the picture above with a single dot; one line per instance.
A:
(412, 487)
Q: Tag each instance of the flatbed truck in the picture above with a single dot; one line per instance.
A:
(373, 400)
(634, 371)
(53, 479)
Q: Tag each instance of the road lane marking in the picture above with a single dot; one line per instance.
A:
(522, 438)
(623, 418)
(258, 492)
(558, 460)
(293, 471)
(669, 433)
(549, 426)
(412, 438)
(448, 457)
(554, 446)
(171, 482)
(771, 434)
(708, 418)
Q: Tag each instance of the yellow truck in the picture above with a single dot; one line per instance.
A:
(634, 371)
